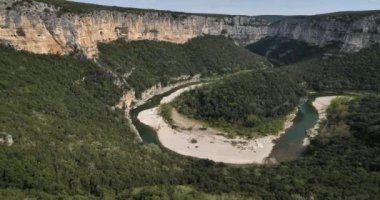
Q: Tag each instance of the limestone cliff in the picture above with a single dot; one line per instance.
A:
(40, 28)
(43, 28)
(352, 34)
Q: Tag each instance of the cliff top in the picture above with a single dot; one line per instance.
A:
(348, 16)
(80, 8)
(76, 7)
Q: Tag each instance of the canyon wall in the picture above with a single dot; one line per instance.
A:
(352, 34)
(40, 28)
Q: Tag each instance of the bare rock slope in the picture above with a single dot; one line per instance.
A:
(40, 27)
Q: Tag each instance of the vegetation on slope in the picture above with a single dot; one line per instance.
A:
(357, 71)
(165, 110)
(67, 139)
(149, 63)
(340, 166)
(284, 51)
(272, 18)
(346, 16)
(80, 8)
(171, 192)
(245, 103)
(70, 143)
(360, 119)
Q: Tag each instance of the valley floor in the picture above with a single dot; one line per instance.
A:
(207, 144)
(190, 138)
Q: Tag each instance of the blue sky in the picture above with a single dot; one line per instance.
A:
(248, 7)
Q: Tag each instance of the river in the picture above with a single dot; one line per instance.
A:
(288, 147)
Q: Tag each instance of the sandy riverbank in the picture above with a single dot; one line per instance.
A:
(177, 93)
(321, 104)
(207, 144)
(191, 139)
(129, 97)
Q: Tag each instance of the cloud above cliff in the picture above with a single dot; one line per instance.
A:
(247, 7)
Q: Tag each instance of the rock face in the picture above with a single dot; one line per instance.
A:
(6, 139)
(352, 35)
(130, 100)
(39, 27)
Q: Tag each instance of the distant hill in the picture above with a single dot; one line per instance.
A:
(284, 51)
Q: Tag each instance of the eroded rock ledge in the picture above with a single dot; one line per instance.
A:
(39, 28)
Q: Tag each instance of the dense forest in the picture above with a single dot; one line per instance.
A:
(245, 103)
(261, 100)
(69, 143)
(147, 63)
(283, 51)
(360, 118)
(357, 71)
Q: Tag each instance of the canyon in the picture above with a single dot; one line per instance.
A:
(44, 28)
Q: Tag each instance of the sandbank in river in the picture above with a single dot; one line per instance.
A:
(189, 138)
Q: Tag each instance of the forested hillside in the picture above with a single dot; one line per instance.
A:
(357, 71)
(67, 138)
(147, 63)
(334, 167)
(70, 143)
(360, 118)
(245, 103)
(283, 51)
